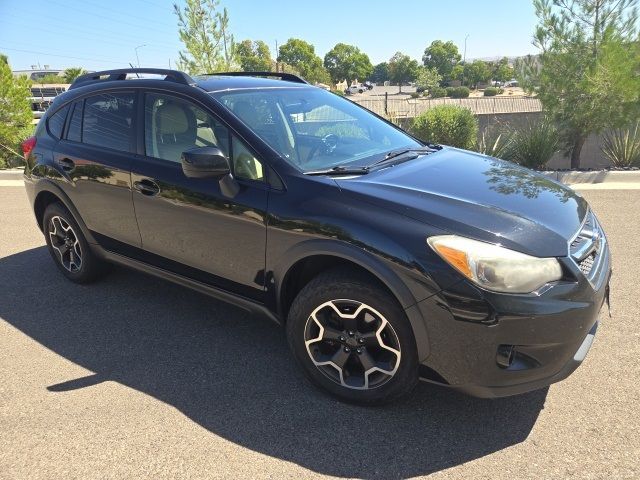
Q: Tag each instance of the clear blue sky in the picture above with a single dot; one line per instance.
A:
(99, 34)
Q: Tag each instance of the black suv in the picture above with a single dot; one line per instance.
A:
(386, 258)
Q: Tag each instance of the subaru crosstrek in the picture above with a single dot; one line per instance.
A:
(386, 258)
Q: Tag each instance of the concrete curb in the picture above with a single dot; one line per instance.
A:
(595, 177)
(11, 174)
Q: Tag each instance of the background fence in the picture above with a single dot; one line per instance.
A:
(412, 107)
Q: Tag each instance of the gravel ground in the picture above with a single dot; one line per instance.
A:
(134, 377)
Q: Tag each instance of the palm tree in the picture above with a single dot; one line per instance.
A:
(70, 74)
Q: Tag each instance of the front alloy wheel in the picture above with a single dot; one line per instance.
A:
(352, 338)
(352, 344)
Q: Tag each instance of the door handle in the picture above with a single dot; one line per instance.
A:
(147, 187)
(66, 164)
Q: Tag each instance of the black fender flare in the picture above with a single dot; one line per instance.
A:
(46, 185)
(366, 260)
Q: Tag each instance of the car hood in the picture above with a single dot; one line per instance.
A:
(478, 197)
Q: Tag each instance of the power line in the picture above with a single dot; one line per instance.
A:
(94, 59)
(103, 37)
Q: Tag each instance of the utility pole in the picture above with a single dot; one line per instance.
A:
(464, 57)
(277, 70)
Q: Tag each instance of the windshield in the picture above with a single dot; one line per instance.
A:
(314, 129)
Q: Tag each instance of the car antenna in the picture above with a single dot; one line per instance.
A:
(131, 65)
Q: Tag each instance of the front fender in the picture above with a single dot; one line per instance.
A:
(378, 267)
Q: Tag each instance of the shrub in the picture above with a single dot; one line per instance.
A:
(415, 94)
(460, 92)
(533, 145)
(438, 92)
(622, 147)
(492, 91)
(449, 91)
(448, 125)
(49, 79)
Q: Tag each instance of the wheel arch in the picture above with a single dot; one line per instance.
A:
(307, 260)
(48, 193)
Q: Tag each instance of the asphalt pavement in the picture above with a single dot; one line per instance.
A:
(134, 377)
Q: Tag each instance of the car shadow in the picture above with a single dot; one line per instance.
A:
(231, 372)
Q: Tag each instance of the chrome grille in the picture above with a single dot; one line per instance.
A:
(587, 264)
(586, 246)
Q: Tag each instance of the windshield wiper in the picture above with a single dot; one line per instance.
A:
(340, 170)
(398, 153)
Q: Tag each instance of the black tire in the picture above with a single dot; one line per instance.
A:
(345, 284)
(88, 267)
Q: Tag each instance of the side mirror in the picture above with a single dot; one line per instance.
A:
(204, 162)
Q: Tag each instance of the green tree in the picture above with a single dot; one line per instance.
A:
(204, 31)
(380, 73)
(302, 57)
(476, 72)
(70, 74)
(587, 74)
(253, 56)
(427, 79)
(346, 62)
(442, 56)
(15, 112)
(402, 69)
(502, 71)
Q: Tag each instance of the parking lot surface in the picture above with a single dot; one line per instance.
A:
(133, 377)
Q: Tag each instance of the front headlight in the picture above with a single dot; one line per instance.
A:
(493, 267)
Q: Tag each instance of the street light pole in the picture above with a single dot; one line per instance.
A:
(136, 49)
(464, 57)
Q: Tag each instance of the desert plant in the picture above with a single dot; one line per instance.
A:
(622, 147)
(437, 92)
(447, 124)
(495, 142)
(534, 144)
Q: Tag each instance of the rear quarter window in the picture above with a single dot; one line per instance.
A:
(55, 123)
(74, 132)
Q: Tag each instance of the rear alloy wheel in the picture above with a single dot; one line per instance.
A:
(352, 338)
(68, 246)
(64, 241)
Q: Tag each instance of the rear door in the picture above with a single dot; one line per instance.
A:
(190, 225)
(94, 160)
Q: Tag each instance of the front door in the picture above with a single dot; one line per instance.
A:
(189, 225)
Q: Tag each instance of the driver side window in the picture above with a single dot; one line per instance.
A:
(174, 125)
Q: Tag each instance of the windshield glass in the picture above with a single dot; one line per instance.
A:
(315, 129)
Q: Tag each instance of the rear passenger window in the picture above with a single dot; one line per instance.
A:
(74, 131)
(56, 121)
(108, 120)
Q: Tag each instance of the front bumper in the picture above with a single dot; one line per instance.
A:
(493, 345)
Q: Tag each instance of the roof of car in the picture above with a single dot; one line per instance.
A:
(215, 83)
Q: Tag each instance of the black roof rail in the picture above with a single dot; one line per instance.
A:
(121, 74)
(288, 77)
